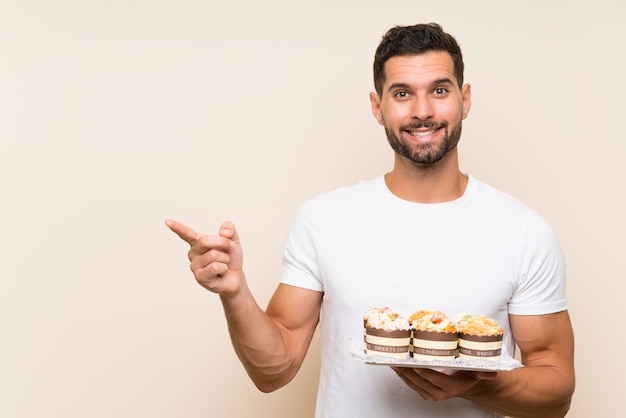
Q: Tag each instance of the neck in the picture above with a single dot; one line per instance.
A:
(433, 183)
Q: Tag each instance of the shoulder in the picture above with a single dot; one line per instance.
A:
(498, 204)
(502, 208)
(494, 196)
(345, 197)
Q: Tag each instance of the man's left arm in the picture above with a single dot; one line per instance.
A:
(543, 388)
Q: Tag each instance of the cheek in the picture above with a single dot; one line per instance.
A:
(392, 116)
(452, 114)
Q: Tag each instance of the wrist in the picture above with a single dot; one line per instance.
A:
(483, 387)
(237, 293)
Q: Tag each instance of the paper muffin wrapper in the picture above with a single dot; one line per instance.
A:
(480, 346)
(387, 343)
(430, 345)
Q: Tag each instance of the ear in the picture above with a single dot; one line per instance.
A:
(375, 101)
(466, 91)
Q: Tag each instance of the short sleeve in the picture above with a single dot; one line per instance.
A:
(300, 257)
(541, 275)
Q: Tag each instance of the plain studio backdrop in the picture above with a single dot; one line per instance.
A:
(115, 115)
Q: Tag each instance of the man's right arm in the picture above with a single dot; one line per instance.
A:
(271, 344)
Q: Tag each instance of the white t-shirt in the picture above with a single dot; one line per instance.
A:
(484, 253)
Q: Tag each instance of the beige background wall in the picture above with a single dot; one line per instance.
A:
(115, 115)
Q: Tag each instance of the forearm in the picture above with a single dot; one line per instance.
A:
(271, 344)
(258, 341)
(527, 392)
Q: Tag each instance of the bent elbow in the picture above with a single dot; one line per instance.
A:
(270, 382)
(564, 408)
(269, 386)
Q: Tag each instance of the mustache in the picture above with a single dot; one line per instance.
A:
(424, 125)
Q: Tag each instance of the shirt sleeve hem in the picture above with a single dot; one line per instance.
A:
(302, 283)
(543, 309)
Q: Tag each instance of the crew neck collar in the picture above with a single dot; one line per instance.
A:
(451, 203)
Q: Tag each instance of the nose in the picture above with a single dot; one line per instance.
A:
(422, 108)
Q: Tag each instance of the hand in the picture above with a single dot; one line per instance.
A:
(437, 386)
(216, 260)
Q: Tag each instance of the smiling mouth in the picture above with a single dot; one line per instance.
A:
(422, 134)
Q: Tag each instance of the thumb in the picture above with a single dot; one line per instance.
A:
(227, 230)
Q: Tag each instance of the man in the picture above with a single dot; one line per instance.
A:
(423, 236)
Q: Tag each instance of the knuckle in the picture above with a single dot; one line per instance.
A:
(203, 241)
(215, 269)
(219, 256)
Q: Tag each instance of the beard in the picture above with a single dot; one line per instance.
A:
(429, 153)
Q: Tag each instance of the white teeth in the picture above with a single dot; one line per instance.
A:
(422, 134)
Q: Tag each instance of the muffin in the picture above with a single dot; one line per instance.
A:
(479, 337)
(386, 333)
(435, 337)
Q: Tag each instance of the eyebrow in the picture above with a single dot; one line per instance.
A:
(408, 87)
(443, 81)
(398, 86)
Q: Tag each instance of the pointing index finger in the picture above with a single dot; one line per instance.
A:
(183, 231)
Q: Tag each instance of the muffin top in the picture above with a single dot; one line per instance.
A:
(434, 321)
(478, 325)
(384, 318)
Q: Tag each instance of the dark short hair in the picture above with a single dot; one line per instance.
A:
(415, 40)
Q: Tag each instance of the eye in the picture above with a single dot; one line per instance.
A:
(440, 91)
(401, 94)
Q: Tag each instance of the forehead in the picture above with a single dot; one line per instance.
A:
(421, 69)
